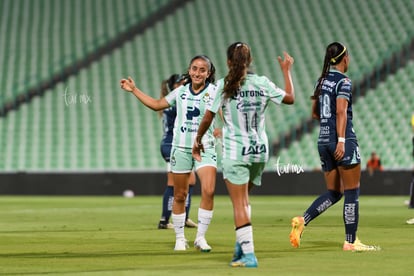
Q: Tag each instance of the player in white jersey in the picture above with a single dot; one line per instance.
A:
(243, 100)
(168, 119)
(191, 101)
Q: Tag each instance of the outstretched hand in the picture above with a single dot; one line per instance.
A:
(127, 84)
(286, 63)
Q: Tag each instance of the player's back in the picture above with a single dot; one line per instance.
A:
(335, 85)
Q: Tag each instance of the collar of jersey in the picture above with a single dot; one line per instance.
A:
(334, 70)
(195, 94)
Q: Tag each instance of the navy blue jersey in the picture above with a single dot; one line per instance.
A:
(335, 85)
(168, 119)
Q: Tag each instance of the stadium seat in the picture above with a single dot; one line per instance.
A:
(115, 132)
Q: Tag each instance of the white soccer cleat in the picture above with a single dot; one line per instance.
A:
(202, 245)
(358, 246)
(181, 244)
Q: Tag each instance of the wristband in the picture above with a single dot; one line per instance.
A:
(341, 139)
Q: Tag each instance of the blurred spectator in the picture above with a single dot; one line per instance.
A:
(374, 163)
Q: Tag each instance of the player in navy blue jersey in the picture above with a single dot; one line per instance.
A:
(168, 118)
(338, 149)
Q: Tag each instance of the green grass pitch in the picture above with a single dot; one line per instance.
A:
(119, 236)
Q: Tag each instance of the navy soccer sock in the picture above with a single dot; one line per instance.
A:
(411, 203)
(320, 204)
(188, 202)
(351, 214)
(167, 201)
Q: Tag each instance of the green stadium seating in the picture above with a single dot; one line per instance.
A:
(116, 132)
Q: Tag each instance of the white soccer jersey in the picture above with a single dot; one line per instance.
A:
(190, 111)
(244, 133)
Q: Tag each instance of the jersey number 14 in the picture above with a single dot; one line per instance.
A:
(250, 124)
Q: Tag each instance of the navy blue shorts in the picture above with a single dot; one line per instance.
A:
(166, 151)
(351, 156)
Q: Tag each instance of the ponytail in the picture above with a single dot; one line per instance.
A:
(168, 85)
(238, 61)
(334, 54)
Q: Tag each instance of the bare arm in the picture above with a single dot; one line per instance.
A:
(341, 108)
(218, 133)
(155, 104)
(204, 125)
(285, 65)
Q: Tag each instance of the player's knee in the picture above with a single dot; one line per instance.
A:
(180, 197)
(208, 193)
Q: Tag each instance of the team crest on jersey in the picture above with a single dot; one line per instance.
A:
(206, 98)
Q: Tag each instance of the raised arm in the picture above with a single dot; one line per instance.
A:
(285, 65)
(155, 104)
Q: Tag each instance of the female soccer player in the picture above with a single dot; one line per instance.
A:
(191, 101)
(168, 118)
(244, 98)
(338, 149)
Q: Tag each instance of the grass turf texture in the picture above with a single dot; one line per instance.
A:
(119, 236)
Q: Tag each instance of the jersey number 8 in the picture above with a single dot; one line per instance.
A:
(326, 107)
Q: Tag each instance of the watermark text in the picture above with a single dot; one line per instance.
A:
(76, 98)
(287, 168)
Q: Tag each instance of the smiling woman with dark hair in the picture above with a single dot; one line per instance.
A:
(191, 101)
(168, 116)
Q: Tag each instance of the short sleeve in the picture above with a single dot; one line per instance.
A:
(217, 100)
(171, 97)
(344, 89)
(276, 94)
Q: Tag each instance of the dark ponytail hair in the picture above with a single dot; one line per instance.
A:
(168, 85)
(212, 77)
(238, 60)
(334, 54)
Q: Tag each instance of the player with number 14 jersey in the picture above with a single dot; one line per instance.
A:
(247, 140)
